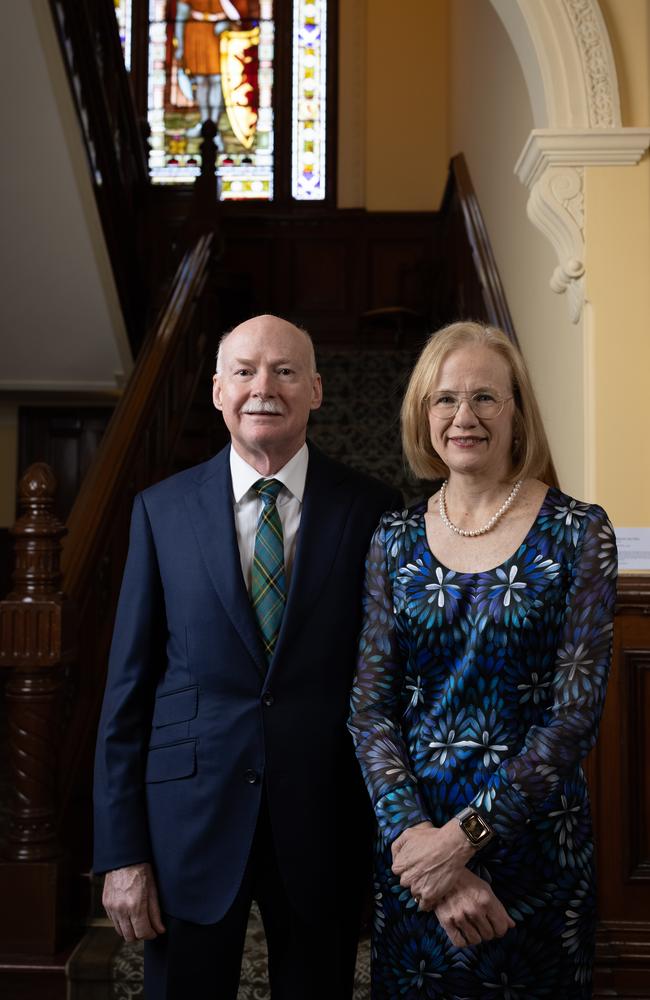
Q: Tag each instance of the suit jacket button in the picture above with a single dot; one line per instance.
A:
(251, 776)
(267, 699)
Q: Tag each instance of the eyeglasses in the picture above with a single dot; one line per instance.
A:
(484, 404)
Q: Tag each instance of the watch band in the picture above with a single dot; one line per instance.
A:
(477, 830)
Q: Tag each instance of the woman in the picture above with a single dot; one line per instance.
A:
(483, 664)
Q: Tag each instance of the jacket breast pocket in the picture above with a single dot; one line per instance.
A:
(176, 706)
(172, 761)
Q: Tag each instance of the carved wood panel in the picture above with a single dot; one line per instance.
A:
(636, 773)
(619, 777)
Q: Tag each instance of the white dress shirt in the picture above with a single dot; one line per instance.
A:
(248, 505)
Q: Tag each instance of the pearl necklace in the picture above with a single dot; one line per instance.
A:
(442, 507)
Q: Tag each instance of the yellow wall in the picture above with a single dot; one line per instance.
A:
(617, 201)
(618, 287)
(628, 26)
(396, 134)
(491, 118)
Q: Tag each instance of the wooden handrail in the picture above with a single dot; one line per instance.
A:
(140, 403)
(115, 147)
(137, 449)
(55, 625)
(460, 199)
(468, 251)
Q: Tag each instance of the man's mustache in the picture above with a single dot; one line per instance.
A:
(262, 406)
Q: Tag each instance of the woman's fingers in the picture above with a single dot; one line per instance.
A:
(472, 911)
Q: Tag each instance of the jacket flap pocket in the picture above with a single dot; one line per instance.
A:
(177, 706)
(176, 760)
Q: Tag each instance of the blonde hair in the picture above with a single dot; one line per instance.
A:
(530, 451)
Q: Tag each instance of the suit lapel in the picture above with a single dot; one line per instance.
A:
(324, 512)
(211, 511)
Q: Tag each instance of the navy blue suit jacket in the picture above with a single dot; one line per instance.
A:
(193, 724)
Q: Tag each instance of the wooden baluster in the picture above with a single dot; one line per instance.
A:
(35, 645)
(203, 215)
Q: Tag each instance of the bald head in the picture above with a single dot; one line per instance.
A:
(270, 325)
(265, 386)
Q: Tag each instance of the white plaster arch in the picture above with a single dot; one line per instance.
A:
(567, 60)
(568, 64)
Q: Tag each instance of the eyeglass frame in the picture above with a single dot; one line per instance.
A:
(465, 397)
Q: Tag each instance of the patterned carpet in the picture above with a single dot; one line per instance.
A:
(105, 968)
(358, 422)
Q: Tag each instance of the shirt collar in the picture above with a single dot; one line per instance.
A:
(292, 475)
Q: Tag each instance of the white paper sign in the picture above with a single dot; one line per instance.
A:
(633, 546)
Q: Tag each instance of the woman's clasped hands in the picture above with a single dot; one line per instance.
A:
(430, 862)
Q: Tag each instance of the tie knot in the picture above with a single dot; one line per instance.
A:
(268, 490)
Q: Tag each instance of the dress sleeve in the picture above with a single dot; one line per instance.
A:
(374, 718)
(519, 789)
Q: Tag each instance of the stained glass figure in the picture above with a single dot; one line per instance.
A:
(123, 13)
(309, 99)
(212, 59)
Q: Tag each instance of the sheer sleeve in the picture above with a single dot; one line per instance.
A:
(519, 789)
(375, 717)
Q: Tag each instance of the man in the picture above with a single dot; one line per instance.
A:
(198, 26)
(224, 772)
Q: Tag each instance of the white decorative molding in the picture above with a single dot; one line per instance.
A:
(599, 69)
(552, 166)
(580, 147)
(567, 61)
(556, 207)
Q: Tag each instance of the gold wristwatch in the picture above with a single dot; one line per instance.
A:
(477, 830)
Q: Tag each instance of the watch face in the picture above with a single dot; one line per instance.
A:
(475, 828)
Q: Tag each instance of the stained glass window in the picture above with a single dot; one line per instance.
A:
(212, 59)
(123, 12)
(215, 59)
(309, 104)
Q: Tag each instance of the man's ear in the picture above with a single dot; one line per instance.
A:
(216, 392)
(316, 392)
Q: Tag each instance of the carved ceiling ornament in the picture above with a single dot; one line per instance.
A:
(568, 64)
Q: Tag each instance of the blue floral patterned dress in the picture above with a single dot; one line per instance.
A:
(487, 688)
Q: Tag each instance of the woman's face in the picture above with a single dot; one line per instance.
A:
(467, 443)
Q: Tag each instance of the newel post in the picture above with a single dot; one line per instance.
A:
(36, 640)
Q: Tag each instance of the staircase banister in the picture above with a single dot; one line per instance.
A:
(460, 183)
(111, 467)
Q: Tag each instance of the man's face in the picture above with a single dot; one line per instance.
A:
(265, 389)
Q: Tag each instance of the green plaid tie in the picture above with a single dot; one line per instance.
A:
(268, 588)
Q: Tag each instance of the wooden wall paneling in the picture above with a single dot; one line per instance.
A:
(326, 269)
(246, 275)
(320, 276)
(619, 776)
(67, 439)
(636, 764)
(400, 274)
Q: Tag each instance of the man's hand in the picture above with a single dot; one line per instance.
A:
(428, 860)
(471, 913)
(130, 899)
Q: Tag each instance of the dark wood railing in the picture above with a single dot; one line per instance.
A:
(115, 146)
(472, 284)
(54, 690)
(138, 449)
